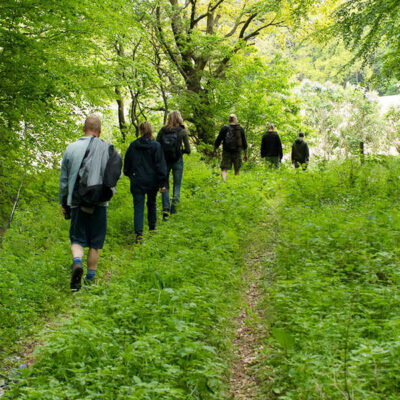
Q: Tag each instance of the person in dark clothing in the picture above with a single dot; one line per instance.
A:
(300, 152)
(234, 142)
(146, 168)
(271, 148)
(174, 141)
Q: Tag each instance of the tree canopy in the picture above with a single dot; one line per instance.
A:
(369, 25)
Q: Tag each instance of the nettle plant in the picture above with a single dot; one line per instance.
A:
(345, 120)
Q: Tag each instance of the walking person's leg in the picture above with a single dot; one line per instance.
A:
(226, 164)
(77, 234)
(138, 206)
(165, 196)
(237, 162)
(177, 173)
(152, 209)
(96, 231)
(77, 268)
(92, 261)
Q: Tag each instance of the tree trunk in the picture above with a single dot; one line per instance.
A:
(362, 152)
(121, 114)
(201, 110)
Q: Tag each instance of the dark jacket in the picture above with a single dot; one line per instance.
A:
(112, 173)
(145, 165)
(300, 152)
(222, 135)
(271, 145)
(182, 135)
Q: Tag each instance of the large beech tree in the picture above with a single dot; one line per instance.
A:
(201, 37)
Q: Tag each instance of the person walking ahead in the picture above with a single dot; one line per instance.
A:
(234, 142)
(174, 141)
(145, 166)
(90, 170)
(300, 152)
(271, 148)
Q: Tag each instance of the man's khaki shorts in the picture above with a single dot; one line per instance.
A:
(231, 158)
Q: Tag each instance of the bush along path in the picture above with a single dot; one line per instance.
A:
(160, 327)
(334, 286)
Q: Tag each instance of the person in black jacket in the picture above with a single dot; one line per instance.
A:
(234, 142)
(146, 168)
(174, 141)
(271, 148)
(300, 152)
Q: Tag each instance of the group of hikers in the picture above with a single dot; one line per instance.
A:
(91, 168)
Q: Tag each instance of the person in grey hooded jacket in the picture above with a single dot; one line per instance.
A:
(96, 164)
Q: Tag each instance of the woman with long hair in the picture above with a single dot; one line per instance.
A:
(145, 166)
(174, 141)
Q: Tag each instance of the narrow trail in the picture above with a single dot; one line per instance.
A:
(250, 335)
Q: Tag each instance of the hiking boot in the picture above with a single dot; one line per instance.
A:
(76, 276)
(89, 282)
(165, 215)
(139, 238)
(173, 208)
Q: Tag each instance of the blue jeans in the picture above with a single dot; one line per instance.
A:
(138, 205)
(177, 172)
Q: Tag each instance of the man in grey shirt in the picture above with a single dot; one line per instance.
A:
(88, 223)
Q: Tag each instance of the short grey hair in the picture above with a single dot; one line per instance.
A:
(233, 118)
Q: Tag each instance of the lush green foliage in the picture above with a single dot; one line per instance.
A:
(158, 324)
(158, 327)
(333, 287)
(52, 71)
(342, 118)
(367, 24)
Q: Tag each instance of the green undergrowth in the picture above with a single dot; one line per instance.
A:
(333, 288)
(35, 265)
(159, 326)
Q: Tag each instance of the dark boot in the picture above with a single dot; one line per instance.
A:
(173, 208)
(165, 215)
(76, 276)
(139, 238)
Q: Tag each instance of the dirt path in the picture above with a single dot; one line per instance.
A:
(250, 332)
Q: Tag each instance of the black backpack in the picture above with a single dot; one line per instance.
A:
(233, 138)
(171, 145)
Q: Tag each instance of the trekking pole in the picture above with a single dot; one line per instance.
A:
(14, 207)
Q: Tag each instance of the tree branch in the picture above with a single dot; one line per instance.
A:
(165, 45)
(246, 25)
(192, 15)
(234, 29)
(209, 10)
(257, 31)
